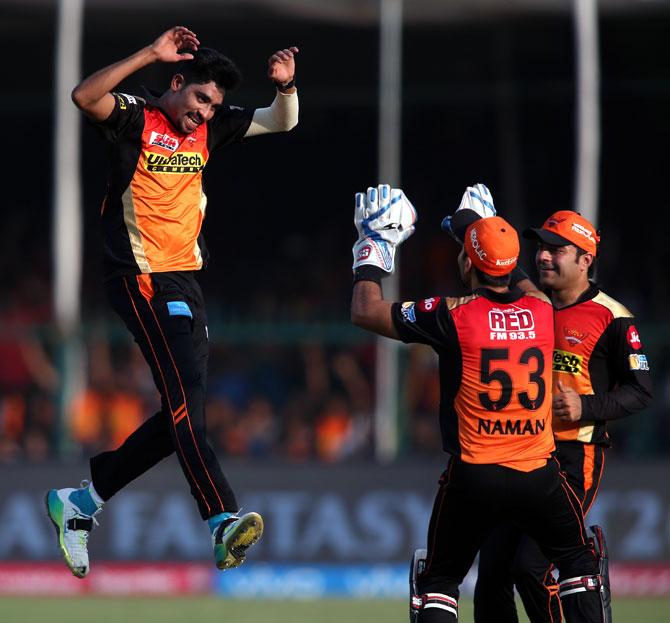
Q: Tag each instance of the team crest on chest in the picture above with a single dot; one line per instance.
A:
(574, 336)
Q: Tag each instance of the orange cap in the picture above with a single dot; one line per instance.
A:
(492, 245)
(567, 227)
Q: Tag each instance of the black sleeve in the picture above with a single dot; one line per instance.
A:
(229, 125)
(127, 114)
(427, 321)
(630, 388)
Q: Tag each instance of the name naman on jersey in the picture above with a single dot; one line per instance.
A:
(510, 427)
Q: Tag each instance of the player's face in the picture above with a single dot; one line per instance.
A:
(194, 104)
(559, 267)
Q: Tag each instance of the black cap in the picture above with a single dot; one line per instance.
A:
(457, 224)
(548, 237)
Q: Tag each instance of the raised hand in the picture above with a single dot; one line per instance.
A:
(167, 46)
(477, 202)
(384, 218)
(281, 65)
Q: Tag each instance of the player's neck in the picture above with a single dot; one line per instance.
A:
(568, 296)
(476, 285)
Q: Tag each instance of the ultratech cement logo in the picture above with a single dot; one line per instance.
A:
(183, 162)
(566, 362)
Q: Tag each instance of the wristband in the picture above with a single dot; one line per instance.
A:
(282, 88)
(367, 272)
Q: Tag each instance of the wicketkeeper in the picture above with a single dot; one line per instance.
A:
(495, 348)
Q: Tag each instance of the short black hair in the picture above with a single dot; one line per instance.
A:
(210, 65)
(498, 281)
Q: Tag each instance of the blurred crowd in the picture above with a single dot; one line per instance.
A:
(293, 398)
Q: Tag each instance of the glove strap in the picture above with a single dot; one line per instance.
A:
(368, 272)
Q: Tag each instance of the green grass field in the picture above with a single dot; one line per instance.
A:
(217, 610)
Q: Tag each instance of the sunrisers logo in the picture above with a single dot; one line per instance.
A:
(183, 162)
(574, 336)
(566, 362)
(555, 222)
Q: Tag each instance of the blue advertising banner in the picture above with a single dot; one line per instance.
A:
(314, 514)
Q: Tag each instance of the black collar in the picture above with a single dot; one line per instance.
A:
(509, 296)
(591, 292)
(150, 95)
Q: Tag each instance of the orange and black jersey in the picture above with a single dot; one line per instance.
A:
(495, 353)
(155, 204)
(598, 352)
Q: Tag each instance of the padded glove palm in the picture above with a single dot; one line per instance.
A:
(384, 218)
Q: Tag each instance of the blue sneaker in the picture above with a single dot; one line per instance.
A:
(72, 528)
(234, 537)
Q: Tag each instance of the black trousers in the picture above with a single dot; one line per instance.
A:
(473, 499)
(510, 557)
(166, 315)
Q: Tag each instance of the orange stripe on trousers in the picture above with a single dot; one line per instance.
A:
(165, 388)
(183, 393)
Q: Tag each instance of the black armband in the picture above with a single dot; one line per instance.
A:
(518, 274)
(282, 88)
(368, 272)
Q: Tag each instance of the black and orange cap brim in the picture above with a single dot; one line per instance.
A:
(548, 237)
(457, 224)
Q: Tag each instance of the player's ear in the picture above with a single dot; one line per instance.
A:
(177, 82)
(588, 260)
(464, 262)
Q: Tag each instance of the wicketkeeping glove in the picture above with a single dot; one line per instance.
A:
(477, 202)
(384, 218)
